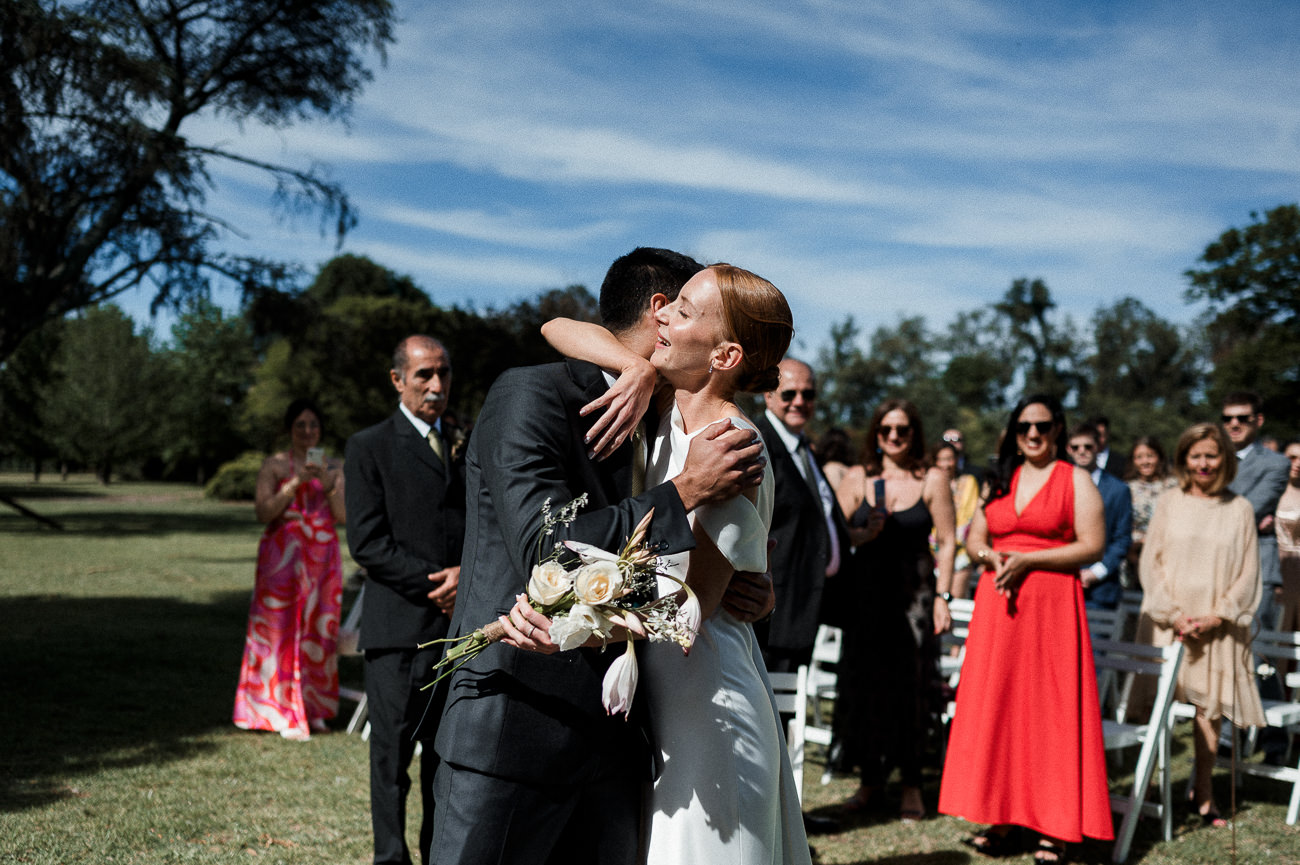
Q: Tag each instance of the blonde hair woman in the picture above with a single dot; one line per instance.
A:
(1200, 576)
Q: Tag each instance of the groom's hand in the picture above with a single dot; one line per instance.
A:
(722, 462)
(751, 597)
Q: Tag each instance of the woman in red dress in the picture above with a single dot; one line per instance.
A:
(1025, 750)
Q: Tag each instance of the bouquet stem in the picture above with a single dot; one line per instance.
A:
(463, 649)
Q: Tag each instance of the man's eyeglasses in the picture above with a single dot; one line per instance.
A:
(808, 395)
(953, 439)
(1239, 418)
(903, 430)
(1043, 427)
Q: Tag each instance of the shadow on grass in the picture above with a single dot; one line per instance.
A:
(111, 682)
(152, 520)
(27, 492)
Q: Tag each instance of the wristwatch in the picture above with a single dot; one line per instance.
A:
(947, 597)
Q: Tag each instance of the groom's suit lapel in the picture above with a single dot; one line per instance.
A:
(611, 477)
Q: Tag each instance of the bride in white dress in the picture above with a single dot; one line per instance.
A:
(725, 792)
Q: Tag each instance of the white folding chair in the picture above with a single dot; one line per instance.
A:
(791, 692)
(823, 675)
(349, 633)
(949, 664)
(1280, 650)
(1153, 736)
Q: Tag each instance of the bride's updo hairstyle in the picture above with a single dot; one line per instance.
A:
(759, 320)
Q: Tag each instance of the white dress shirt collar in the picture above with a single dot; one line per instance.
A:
(420, 426)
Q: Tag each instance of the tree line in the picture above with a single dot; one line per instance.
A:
(96, 390)
(102, 191)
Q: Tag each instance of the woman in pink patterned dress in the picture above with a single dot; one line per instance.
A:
(289, 680)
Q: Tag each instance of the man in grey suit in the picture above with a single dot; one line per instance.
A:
(1261, 478)
(533, 769)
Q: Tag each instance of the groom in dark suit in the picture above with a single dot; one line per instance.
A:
(533, 770)
(406, 503)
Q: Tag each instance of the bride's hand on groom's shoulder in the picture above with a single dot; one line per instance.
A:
(723, 461)
(624, 404)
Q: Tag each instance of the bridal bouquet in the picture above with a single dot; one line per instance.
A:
(590, 596)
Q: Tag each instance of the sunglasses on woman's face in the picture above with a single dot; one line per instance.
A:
(1043, 427)
(903, 430)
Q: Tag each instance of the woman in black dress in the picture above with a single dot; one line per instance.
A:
(888, 659)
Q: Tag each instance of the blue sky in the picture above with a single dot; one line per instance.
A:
(870, 158)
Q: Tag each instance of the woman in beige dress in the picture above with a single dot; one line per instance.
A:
(1200, 576)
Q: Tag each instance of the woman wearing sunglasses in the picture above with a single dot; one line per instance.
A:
(1025, 749)
(888, 658)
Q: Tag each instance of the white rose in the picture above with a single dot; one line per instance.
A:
(572, 629)
(548, 583)
(597, 583)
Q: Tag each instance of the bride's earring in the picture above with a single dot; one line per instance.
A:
(710, 367)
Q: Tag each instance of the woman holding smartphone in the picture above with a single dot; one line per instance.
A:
(891, 502)
(289, 680)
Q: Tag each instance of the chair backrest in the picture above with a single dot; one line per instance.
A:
(350, 630)
(791, 692)
(961, 610)
(1281, 649)
(1105, 624)
(1136, 659)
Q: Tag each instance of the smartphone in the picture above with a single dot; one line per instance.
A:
(878, 489)
(316, 455)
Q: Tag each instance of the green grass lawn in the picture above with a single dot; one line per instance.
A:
(122, 637)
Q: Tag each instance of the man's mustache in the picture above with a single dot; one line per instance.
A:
(435, 397)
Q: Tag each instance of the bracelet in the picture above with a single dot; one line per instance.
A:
(983, 555)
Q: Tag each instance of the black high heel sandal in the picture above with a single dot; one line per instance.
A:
(1051, 853)
(992, 843)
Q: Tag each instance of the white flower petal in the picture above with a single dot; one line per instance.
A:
(689, 615)
(590, 554)
(572, 629)
(619, 686)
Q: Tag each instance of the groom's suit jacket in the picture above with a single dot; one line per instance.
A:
(520, 715)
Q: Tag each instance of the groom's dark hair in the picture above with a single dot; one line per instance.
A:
(634, 278)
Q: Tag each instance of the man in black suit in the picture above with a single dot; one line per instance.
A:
(533, 770)
(406, 500)
(809, 530)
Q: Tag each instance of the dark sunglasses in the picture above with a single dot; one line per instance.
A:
(1239, 418)
(1083, 446)
(903, 430)
(1043, 427)
(788, 395)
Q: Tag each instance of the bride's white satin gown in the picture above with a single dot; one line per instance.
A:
(725, 794)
